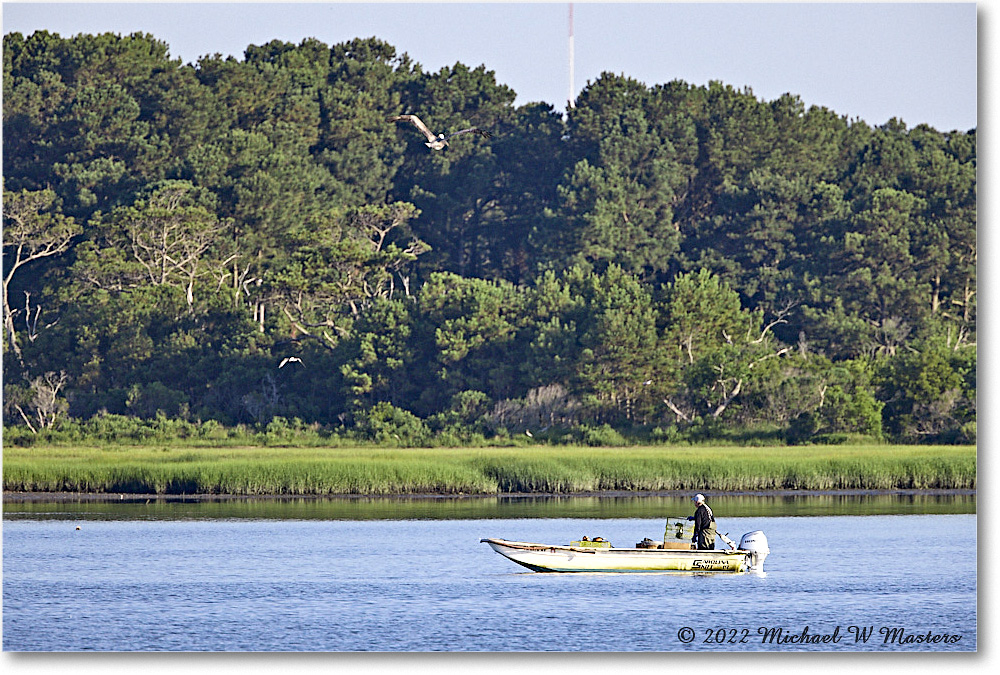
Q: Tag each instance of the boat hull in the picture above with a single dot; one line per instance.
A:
(555, 558)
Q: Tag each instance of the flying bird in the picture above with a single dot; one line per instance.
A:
(289, 359)
(437, 142)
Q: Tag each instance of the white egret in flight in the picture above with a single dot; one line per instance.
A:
(437, 142)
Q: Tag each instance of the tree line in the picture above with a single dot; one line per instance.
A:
(666, 262)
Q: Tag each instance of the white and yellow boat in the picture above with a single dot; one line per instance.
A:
(647, 556)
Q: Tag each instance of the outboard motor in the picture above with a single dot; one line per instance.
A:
(756, 543)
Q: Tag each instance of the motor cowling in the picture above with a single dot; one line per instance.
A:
(756, 543)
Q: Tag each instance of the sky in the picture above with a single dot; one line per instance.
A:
(915, 62)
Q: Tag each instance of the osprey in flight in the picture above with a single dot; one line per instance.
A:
(439, 141)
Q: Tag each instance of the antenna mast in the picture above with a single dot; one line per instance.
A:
(572, 92)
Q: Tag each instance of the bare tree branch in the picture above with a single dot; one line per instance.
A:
(677, 411)
(726, 400)
(30, 233)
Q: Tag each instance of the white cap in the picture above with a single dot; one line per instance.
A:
(698, 498)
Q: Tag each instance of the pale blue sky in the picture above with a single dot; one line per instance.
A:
(917, 62)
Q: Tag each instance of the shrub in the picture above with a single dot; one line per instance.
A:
(670, 435)
(705, 428)
(853, 412)
(541, 408)
(802, 428)
(150, 400)
(830, 439)
(969, 432)
(385, 423)
(603, 435)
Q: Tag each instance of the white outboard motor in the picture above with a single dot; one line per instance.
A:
(756, 543)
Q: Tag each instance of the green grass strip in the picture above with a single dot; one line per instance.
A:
(367, 471)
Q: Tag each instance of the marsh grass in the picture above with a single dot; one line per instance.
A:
(560, 470)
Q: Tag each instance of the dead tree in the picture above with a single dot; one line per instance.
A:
(30, 233)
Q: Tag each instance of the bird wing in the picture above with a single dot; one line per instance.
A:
(417, 123)
(471, 130)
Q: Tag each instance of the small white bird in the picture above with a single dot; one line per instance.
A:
(647, 383)
(289, 359)
(528, 434)
(436, 142)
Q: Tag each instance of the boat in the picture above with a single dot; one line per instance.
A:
(647, 556)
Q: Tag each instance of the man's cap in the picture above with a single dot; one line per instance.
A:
(698, 498)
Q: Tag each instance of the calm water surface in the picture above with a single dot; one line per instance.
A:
(157, 579)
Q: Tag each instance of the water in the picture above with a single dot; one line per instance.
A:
(172, 581)
(504, 507)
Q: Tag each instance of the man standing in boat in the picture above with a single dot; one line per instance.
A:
(704, 524)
